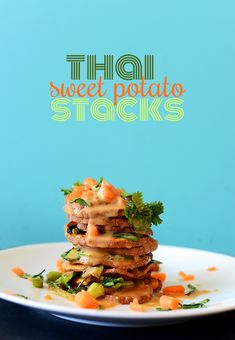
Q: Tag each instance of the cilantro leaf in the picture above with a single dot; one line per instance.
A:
(141, 215)
(191, 288)
(27, 276)
(137, 199)
(77, 184)
(81, 202)
(66, 191)
(98, 184)
(194, 305)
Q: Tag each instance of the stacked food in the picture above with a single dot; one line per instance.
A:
(112, 244)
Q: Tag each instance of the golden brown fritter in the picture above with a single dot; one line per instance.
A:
(100, 220)
(115, 261)
(139, 273)
(149, 246)
(111, 228)
(103, 241)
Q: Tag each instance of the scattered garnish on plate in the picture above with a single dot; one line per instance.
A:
(194, 305)
(186, 277)
(191, 290)
(22, 296)
(212, 269)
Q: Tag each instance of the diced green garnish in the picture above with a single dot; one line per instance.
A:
(127, 236)
(64, 280)
(96, 290)
(37, 282)
(53, 276)
(73, 255)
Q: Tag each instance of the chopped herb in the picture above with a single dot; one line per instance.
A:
(39, 274)
(162, 310)
(112, 281)
(191, 289)
(98, 184)
(125, 194)
(194, 305)
(27, 276)
(81, 202)
(127, 236)
(21, 295)
(141, 215)
(77, 184)
(75, 290)
(66, 191)
(156, 261)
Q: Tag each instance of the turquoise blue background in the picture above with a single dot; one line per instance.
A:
(188, 165)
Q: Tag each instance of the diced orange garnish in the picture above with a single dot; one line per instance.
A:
(59, 266)
(173, 290)
(17, 271)
(212, 269)
(92, 230)
(84, 300)
(76, 193)
(168, 302)
(89, 182)
(185, 277)
(48, 297)
(158, 276)
(107, 192)
(88, 195)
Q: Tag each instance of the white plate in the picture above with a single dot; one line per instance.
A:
(34, 258)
